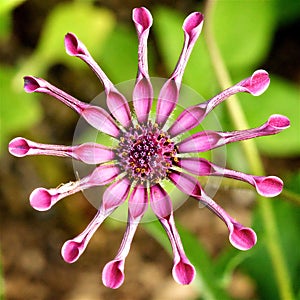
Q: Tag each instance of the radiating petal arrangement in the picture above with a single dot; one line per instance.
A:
(146, 153)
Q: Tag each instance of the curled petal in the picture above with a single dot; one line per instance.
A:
(169, 93)
(256, 84)
(266, 186)
(112, 199)
(192, 27)
(270, 186)
(95, 116)
(207, 140)
(142, 19)
(72, 249)
(183, 271)
(113, 274)
(241, 237)
(193, 116)
(143, 91)
(160, 201)
(90, 153)
(43, 199)
(116, 102)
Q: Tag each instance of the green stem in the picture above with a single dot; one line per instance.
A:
(251, 152)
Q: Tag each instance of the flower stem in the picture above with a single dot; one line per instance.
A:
(251, 152)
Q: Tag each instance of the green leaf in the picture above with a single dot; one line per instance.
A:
(282, 97)
(119, 55)
(8, 5)
(244, 31)
(18, 110)
(287, 217)
(92, 26)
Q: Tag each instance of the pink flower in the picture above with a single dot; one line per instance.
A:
(147, 153)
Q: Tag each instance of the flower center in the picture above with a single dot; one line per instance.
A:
(146, 153)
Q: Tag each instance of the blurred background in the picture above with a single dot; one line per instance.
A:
(250, 35)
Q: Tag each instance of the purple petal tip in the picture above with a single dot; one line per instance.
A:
(72, 45)
(70, 251)
(192, 22)
(270, 186)
(18, 147)
(31, 84)
(113, 275)
(257, 83)
(242, 238)
(41, 199)
(142, 16)
(183, 273)
(279, 122)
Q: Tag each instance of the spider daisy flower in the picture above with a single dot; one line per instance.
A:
(148, 152)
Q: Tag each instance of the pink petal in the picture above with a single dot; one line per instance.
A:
(278, 122)
(169, 93)
(119, 107)
(116, 193)
(192, 27)
(72, 249)
(200, 142)
(138, 201)
(113, 274)
(186, 183)
(187, 120)
(93, 153)
(143, 91)
(160, 201)
(142, 99)
(167, 101)
(95, 116)
(116, 102)
(207, 140)
(266, 186)
(193, 116)
(113, 197)
(241, 237)
(43, 199)
(19, 147)
(90, 153)
(270, 186)
(183, 271)
(101, 120)
(142, 19)
(257, 83)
